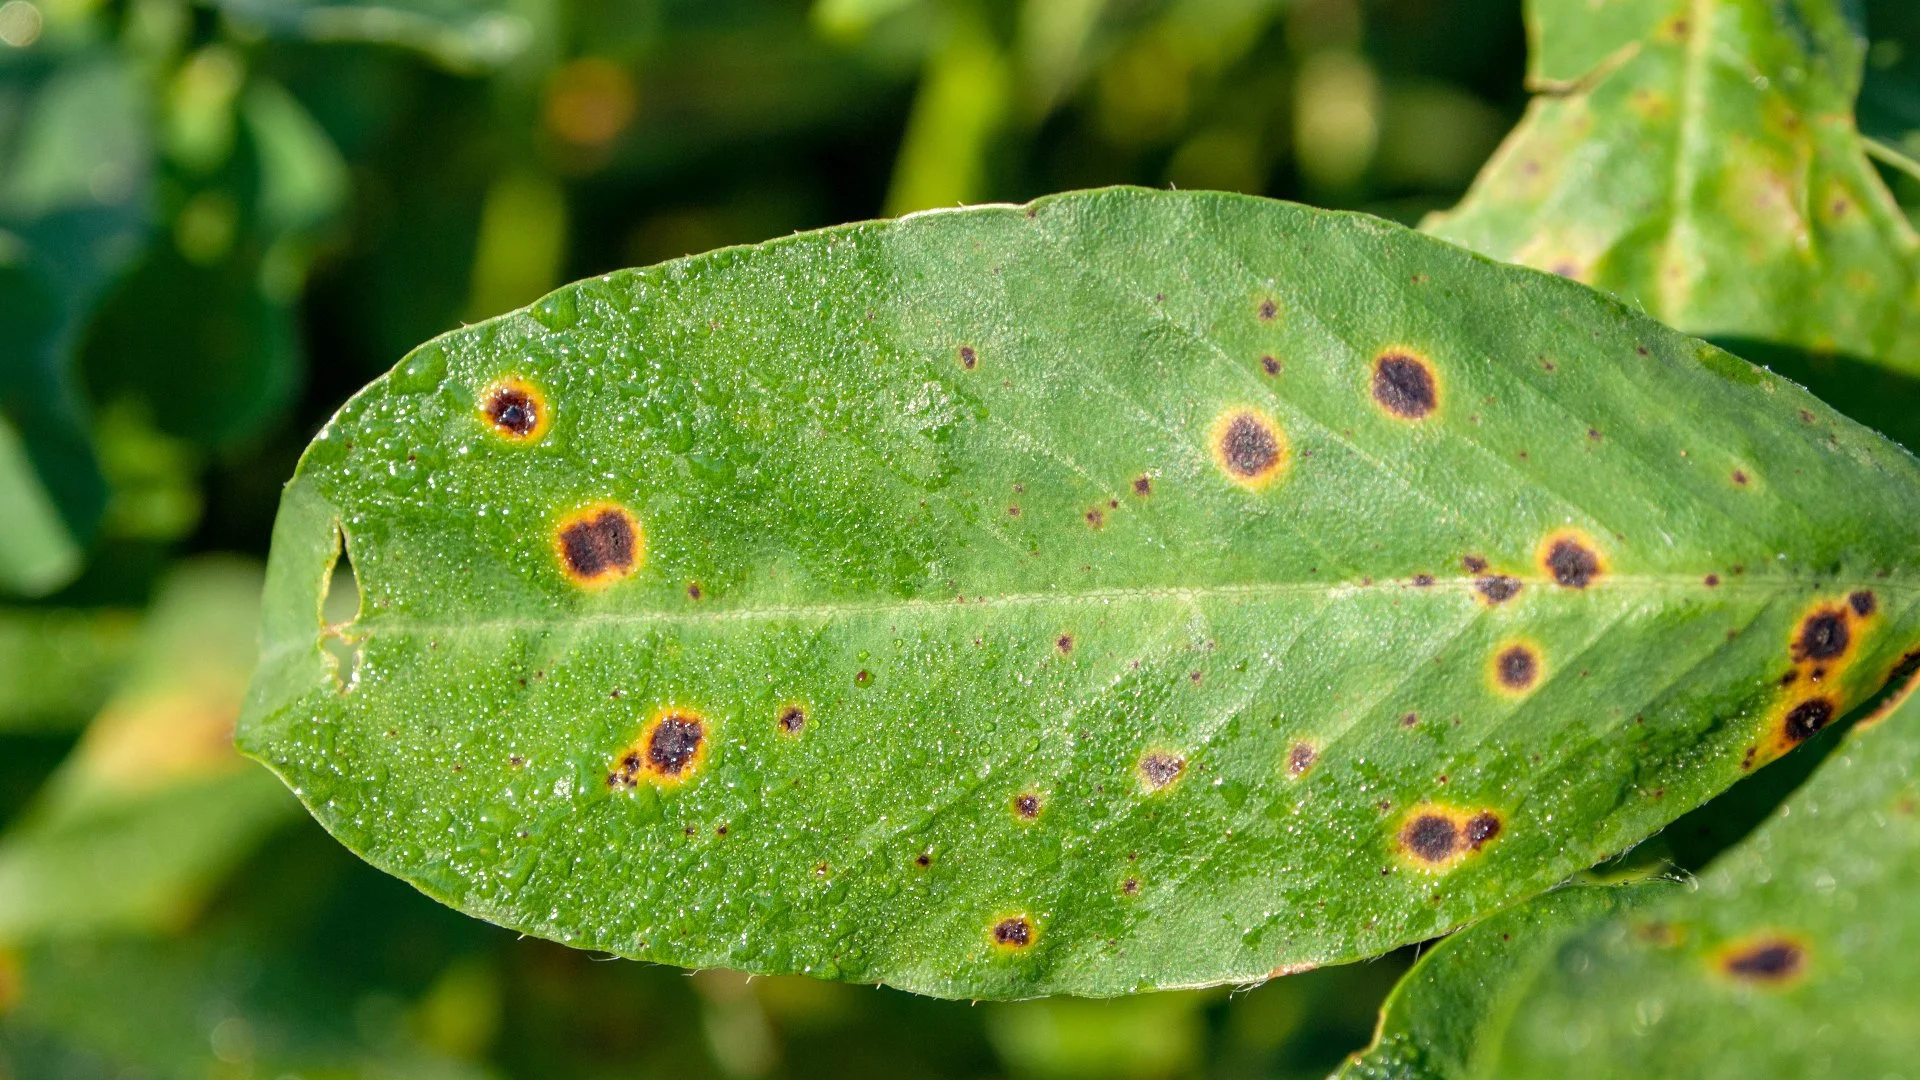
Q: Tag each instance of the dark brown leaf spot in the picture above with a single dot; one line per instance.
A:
(1712, 580)
(1430, 838)
(1474, 564)
(1572, 563)
(1823, 636)
(675, 741)
(1143, 486)
(693, 590)
(1740, 477)
(1517, 667)
(1013, 933)
(1027, 805)
(1410, 720)
(1403, 384)
(1268, 310)
(1805, 720)
(968, 358)
(1481, 828)
(1498, 589)
(1096, 518)
(1301, 758)
(1248, 447)
(1064, 643)
(515, 409)
(598, 544)
(1131, 886)
(1158, 769)
(1270, 365)
(792, 719)
(1767, 961)
(1863, 603)
(923, 860)
(1422, 580)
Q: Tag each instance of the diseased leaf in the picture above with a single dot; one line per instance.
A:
(153, 807)
(1136, 589)
(1790, 958)
(1701, 161)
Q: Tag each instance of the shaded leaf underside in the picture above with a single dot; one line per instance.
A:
(1061, 599)
(1699, 158)
(1790, 957)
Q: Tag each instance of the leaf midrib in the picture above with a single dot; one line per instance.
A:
(1645, 584)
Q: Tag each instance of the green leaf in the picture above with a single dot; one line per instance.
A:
(1788, 958)
(1890, 91)
(153, 807)
(75, 164)
(37, 552)
(58, 665)
(462, 35)
(966, 598)
(1701, 160)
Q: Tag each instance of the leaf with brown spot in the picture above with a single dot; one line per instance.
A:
(1810, 916)
(1286, 566)
(1689, 157)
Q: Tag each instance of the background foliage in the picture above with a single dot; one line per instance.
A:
(219, 219)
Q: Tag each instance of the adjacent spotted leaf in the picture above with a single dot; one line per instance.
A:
(1790, 958)
(1701, 160)
(1134, 589)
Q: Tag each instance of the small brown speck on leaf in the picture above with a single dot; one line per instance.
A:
(1712, 580)
(1131, 886)
(1143, 486)
(1268, 310)
(923, 860)
(1270, 365)
(1422, 580)
(1064, 643)
(1473, 564)
(1498, 589)
(968, 358)
(1740, 477)
(1027, 805)
(1481, 828)
(1301, 758)
(1863, 603)
(693, 590)
(1096, 518)
(792, 719)
(1159, 769)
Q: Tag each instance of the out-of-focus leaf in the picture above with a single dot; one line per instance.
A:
(1889, 105)
(37, 553)
(1444, 1018)
(57, 666)
(203, 333)
(523, 240)
(1702, 162)
(1790, 958)
(1135, 589)
(1145, 1037)
(461, 35)
(154, 806)
(75, 162)
(964, 99)
(298, 969)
